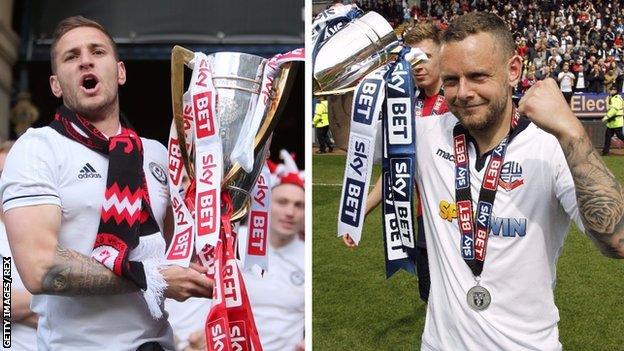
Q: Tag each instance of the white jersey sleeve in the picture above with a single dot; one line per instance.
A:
(564, 188)
(30, 175)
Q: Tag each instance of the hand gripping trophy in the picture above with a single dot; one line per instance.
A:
(218, 144)
(361, 53)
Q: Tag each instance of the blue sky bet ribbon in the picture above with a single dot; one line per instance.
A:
(398, 168)
(329, 22)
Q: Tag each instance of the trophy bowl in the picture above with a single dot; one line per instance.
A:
(237, 79)
(356, 50)
(362, 46)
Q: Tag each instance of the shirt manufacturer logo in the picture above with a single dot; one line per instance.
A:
(446, 155)
(88, 172)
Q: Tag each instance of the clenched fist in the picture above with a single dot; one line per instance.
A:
(545, 106)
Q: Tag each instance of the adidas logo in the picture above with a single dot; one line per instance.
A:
(88, 172)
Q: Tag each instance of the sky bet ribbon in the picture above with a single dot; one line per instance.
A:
(398, 168)
(474, 231)
(329, 22)
(366, 110)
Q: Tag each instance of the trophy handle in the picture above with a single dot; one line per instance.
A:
(336, 92)
(282, 86)
(179, 58)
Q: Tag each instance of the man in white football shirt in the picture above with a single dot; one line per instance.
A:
(514, 183)
(92, 282)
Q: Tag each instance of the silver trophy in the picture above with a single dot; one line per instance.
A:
(362, 46)
(237, 78)
(356, 50)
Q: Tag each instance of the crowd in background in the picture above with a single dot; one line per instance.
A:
(556, 38)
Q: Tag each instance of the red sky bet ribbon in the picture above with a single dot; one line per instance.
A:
(208, 152)
(126, 215)
(253, 242)
(230, 324)
(474, 231)
(181, 248)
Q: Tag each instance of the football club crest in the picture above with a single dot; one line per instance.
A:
(158, 172)
(511, 176)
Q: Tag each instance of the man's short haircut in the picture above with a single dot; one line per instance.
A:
(74, 22)
(481, 22)
(422, 31)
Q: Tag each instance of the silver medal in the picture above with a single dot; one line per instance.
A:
(478, 298)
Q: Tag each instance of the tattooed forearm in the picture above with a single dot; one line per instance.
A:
(75, 274)
(599, 195)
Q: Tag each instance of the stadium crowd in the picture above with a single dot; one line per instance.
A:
(554, 37)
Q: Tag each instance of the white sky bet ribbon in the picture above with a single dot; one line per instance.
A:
(253, 248)
(398, 168)
(243, 152)
(367, 103)
(189, 121)
(180, 250)
(208, 153)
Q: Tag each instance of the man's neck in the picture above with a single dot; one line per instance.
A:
(108, 127)
(433, 89)
(488, 139)
(278, 241)
(106, 121)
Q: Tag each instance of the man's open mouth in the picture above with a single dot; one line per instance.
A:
(89, 82)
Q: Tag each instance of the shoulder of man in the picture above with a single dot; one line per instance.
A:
(155, 149)
(40, 139)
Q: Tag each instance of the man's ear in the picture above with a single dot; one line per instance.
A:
(121, 73)
(514, 67)
(55, 86)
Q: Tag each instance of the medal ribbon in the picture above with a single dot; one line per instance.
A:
(398, 168)
(474, 236)
(366, 110)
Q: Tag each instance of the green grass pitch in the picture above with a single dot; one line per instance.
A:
(356, 308)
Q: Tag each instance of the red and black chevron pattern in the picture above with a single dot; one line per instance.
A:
(126, 213)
